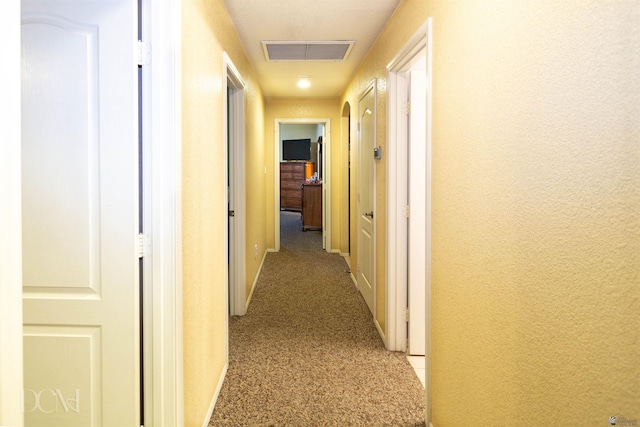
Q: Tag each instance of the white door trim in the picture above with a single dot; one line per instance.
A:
(397, 198)
(233, 79)
(10, 218)
(326, 178)
(164, 352)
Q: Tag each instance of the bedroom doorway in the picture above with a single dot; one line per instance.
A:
(318, 163)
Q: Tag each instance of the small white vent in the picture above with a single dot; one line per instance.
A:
(307, 50)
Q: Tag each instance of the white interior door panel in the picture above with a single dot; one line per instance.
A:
(80, 213)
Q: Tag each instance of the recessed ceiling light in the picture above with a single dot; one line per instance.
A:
(304, 82)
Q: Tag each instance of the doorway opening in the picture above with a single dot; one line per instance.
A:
(317, 166)
(409, 201)
(236, 188)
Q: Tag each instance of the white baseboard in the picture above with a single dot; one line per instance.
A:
(353, 279)
(255, 279)
(382, 335)
(215, 396)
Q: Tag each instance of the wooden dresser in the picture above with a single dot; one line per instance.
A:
(292, 176)
(312, 207)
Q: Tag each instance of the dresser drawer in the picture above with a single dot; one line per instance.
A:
(291, 194)
(291, 175)
(291, 184)
(289, 203)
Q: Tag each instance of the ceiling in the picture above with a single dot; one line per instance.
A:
(359, 21)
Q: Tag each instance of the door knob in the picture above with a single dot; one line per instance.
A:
(232, 213)
(369, 214)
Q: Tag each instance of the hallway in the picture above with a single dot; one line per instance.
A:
(307, 352)
(533, 190)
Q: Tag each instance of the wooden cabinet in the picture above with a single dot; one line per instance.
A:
(311, 206)
(292, 176)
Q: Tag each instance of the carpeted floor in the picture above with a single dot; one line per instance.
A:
(307, 352)
(293, 239)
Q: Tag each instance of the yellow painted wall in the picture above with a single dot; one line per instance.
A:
(304, 108)
(207, 33)
(536, 212)
(536, 207)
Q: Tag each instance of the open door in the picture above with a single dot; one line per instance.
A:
(366, 202)
(236, 189)
(417, 228)
(80, 213)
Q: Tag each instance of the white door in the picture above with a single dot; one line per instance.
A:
(236, 188)
(417, 229)
(80, 213)
(366, 242)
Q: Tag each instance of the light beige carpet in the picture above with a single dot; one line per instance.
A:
(307, 352)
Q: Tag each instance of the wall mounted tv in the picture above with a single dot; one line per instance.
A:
(296, 149)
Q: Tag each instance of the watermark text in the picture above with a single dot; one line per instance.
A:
(49, 401)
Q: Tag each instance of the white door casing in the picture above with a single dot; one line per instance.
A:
(366, 202)
(234, 110)
(418, 46)
(80, 213)
(10, 208)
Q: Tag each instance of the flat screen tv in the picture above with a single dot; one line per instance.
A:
(296, 149)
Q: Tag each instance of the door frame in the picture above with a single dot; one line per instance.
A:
(397, 255)
(162, 185)
(235, 141)
(326, 178)
(164, 109)
(10, 218)
(345, 130)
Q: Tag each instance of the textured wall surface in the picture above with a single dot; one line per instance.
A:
(303, 108)
(536, 212)
(207, 33)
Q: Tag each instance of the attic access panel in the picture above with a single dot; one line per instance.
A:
(306, 50)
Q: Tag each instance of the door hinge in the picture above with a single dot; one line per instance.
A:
(406, 211)
(406, 314)
(143, 52)
(407, 109)
(144, 246)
